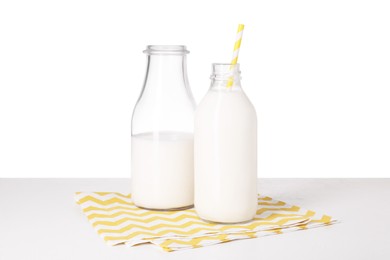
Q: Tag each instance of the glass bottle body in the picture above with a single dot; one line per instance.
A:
(162, 133)
(225, 151)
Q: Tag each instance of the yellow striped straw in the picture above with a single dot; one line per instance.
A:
(237, 45)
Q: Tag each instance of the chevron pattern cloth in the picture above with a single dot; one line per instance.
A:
(118, 221)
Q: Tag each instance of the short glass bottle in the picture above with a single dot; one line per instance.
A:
(225, 150)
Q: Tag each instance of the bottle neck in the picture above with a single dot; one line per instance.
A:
(225, 77)
(166, 72)
(226, 83)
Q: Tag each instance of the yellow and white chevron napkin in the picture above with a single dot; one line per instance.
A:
(115, 217)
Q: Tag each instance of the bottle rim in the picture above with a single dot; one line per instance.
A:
(221, 71)
(166, 50)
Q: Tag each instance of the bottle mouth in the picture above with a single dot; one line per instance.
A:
(166, 50)
(223, 71)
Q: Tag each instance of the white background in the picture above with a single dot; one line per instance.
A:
(318, 73)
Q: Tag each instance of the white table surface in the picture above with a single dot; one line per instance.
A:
(40, 220)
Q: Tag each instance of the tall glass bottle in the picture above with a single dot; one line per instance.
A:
(162, 133)
(225, 143)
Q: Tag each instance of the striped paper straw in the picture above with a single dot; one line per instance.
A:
(236, 51)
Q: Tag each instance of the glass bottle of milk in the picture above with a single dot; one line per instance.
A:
(225, 150)
(162, 133)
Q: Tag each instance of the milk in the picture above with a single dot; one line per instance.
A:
(162, 170)
(225, 150)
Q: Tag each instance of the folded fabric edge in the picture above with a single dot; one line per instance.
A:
(159, 240)
(171, 245)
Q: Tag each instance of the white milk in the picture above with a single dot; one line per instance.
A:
(162, 170)
(225, 143)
